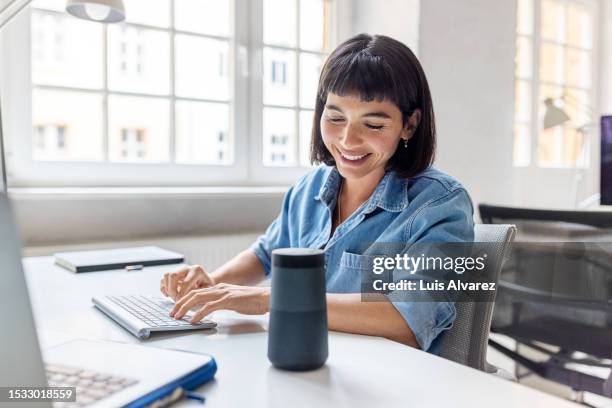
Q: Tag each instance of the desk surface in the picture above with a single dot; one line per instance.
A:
(361, 371)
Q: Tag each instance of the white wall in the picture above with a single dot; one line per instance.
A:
(467, 51)
(395, 18)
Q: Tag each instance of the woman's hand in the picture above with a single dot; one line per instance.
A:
(177, 284)
(253, 300)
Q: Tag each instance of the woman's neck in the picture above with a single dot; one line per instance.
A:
(357, 191)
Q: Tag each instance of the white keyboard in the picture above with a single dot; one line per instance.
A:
(142, 314)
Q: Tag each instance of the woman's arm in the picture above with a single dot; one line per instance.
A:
(347, 313)
(244, 269)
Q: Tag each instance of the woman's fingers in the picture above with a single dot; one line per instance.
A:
(171, 281)
(190, 281)
(210, 307)
(195, 298)
(162, 286)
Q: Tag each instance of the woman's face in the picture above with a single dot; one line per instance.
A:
(362, 136)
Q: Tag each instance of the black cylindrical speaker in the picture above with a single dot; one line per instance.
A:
(297, 333)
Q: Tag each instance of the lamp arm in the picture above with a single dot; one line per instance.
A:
(7, 16)
(578, 104)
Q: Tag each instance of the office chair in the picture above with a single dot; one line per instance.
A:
(554, 294)
(466, 341)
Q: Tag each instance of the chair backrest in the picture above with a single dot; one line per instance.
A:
(493, 214)
(466, 341)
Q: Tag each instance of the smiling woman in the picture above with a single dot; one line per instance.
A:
(374, 133)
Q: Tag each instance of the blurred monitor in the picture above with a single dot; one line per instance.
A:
(606, 160)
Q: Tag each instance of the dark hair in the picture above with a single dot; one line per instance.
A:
(379, 67)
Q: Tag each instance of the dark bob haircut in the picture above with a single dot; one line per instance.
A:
(377, 67)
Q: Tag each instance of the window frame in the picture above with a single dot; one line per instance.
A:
(246, 82)
(534, 123)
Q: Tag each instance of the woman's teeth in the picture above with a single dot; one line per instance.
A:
(348, 157)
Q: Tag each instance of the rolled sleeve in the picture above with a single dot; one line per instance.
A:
(446, 219)
(427, 319)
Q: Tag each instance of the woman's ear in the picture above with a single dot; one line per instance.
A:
(411, 125)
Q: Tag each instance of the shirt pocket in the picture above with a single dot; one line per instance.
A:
(354, 271)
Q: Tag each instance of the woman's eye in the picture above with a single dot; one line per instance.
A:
(374, 127)
(335, 120)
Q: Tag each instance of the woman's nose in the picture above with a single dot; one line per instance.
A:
(350, 136)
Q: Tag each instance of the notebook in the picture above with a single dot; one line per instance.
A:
(107, 259)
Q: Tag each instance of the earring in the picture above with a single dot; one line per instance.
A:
(405, 143)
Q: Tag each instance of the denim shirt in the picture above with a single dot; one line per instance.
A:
(430, 207)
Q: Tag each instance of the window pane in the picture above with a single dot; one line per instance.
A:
(138, 60)
(66, 51)
(576, 148)
(313, 33)
(203, 133)
(578, 68)
(280, 22)
(154, 13)
(279, 137)
(67, 125)
(279, 77)
(202, 67)
(553, 20)
(138, 129)
(310, 69)
(522, 101)
(522, 145)
(525, 16)
(551, 63)
(306, 118)
(203, 16)
(549, 147)
(577, 106)
(579, 26)
(523, 60)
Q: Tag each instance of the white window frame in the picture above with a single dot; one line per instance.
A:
(535, 125)
(246, 98)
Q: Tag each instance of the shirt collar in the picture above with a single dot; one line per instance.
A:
(391, 194)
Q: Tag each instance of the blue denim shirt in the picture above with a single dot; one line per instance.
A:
(430, 207)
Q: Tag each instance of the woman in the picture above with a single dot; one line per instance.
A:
(374, 132)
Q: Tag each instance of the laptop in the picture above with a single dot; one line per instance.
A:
(103, 373)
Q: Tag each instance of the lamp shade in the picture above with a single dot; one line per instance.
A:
(102, 11)
(553, 116)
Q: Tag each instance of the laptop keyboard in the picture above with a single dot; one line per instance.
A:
(91, 386)
(152, 310)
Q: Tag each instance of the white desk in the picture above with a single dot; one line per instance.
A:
(361, 371)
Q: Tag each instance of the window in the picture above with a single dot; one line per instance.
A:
(554, 60)
(295, 37)
(176, 91)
